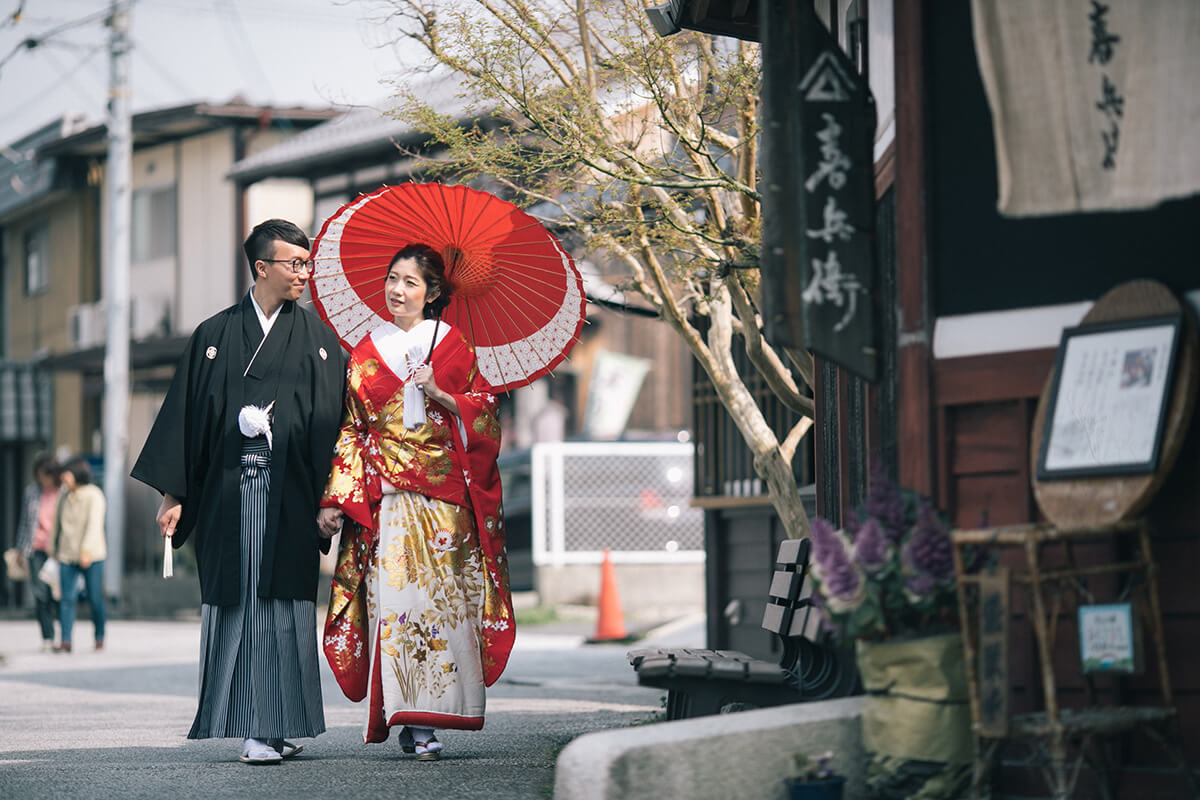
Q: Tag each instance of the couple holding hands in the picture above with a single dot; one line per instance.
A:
(267, 445)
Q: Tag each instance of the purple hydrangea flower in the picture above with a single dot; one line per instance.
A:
(824, 539)
(919, 586)
(928, 549)
(872, 548)
(841, 581)
(885, 503)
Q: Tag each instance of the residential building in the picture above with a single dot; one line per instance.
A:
(188, 222)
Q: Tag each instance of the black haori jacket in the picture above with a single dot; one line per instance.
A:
(194, 448)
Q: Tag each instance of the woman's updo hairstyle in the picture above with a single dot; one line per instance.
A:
(433, 270)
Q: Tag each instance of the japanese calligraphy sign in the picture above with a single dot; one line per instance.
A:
(993, 653)
(1111, 105)
(1091, 101)
(818, 255)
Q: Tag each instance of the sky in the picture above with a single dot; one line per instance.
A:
(316, 53)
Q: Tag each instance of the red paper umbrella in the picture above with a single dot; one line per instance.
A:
(517, 295)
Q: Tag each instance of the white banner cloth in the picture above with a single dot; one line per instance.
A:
(1094, 102)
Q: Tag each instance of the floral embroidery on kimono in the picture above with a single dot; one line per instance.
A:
(403, 620)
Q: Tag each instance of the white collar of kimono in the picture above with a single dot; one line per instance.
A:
(263, 319)
(403, 351)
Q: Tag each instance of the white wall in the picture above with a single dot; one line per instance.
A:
(152, 283)
(285, 198)
(209, 245)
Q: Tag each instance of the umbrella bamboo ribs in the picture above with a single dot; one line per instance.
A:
(1061, 740)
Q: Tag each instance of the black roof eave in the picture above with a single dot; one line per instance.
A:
(316, 164)
(155, 127)
(325, 161)
(164, 351)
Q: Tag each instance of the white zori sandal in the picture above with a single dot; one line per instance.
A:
(422, 742)
(256, 752)
(285, 748)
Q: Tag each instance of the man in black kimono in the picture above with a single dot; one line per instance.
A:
(241, 451)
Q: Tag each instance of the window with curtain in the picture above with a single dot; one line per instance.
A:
(153, 225)
(37, 258)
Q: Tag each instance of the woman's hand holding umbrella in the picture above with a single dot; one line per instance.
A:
(423, 377)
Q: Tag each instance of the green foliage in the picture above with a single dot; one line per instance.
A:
(635, 141)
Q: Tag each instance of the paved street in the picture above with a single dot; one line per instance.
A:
(113, 724)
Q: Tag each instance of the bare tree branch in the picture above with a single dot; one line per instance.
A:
(764, 358)
(645, 147)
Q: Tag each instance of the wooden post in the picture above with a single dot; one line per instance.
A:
(914, 312)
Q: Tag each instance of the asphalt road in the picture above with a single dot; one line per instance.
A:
(114, 723)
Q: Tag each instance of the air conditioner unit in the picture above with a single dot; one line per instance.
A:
(149, 316)
(85, 324)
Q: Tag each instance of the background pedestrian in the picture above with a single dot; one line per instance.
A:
(78, 543)
(33, 538)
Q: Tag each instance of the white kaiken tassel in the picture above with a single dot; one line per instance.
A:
(414, 398)
(414, 406)
(168, 557)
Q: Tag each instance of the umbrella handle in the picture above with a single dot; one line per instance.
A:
(434, 341)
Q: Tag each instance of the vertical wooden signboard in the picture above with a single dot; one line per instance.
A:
(993, 653)
(818, 256)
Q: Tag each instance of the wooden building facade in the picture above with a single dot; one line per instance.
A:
(972, 305)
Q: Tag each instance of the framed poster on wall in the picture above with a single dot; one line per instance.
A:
(1108, 399)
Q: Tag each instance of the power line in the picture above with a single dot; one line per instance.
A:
(14, 17)
(282, 13)
(66, 76)
(31, 42)
(247, 50)
(140, 50)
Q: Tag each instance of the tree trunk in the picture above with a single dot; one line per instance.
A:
(773, 468)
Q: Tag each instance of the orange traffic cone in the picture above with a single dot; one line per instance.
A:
(610, 623)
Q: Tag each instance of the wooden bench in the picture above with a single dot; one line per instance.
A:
(700, 682)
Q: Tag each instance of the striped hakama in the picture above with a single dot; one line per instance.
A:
(259, 675)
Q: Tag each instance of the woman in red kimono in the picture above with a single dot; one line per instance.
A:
(420, 616)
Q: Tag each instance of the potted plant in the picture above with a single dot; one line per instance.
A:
(814, 779)
(886, 582)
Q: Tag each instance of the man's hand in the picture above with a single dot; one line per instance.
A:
(168, 515)
(329, 522)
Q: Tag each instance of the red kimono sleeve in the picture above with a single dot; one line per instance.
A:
(353, 485)
(477, 410)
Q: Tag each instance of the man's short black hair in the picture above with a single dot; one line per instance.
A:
(260, 244)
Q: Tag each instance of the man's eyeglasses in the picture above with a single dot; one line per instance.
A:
(296, 265)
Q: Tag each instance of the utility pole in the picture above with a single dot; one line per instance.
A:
(116, 295)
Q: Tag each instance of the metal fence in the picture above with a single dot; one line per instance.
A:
(630, 497)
